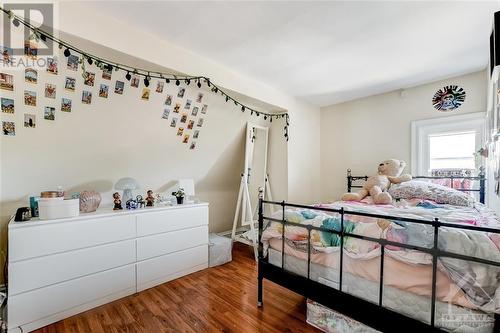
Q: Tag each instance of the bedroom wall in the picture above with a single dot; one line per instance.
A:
(360, 133)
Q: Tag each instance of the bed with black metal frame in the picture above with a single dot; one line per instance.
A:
(374, 315)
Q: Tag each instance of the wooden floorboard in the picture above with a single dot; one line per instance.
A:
(220, 299)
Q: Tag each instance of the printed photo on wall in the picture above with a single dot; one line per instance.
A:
(89, 79)
(50, 90)
(173, 123)
(30, 75)
(119, 87)
(9, 128)
(177, 107)
(192, 146)
(66, 105)
(166, 113)
(194, 113)
(106, 73)
(168, 100)
(186, 138)
(86, 97)
(159, 86)
(70, 83)
(145, 94)
(184, 118)
(29, 120)
(49, 113)
(29, 98)
(6, 55)
(199, 98)
(204, 109)
(200, 122)
(31, 48)
(52, 65)
(7, 105)
(6, 82)
(134, 81)
(103, 91)
(188, 104)
(196, 134)
(181, 92)
(180, 131)
(73, 62)
(190, 124)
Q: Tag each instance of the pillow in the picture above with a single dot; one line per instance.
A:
(429, 191)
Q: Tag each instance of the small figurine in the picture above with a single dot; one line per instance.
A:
(140, 201)
(131, 204)
(118, 201)
(150, 199)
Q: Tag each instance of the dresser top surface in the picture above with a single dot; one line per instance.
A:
(106, 211)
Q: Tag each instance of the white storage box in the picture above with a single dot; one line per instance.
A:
(219, 248)
(57, 209)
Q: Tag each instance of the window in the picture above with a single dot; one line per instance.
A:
(446, 143)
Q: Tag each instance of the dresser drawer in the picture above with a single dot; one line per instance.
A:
(170, 220)
(43, 271)
(157, 245)
(171, 266)
(37, 241)
(40, 303)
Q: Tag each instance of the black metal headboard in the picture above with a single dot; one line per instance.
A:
(480, 177)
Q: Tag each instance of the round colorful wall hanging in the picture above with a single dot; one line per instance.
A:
(448, 98)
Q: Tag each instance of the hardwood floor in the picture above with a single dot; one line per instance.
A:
(220, 299)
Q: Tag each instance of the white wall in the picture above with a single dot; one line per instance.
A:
(360, 133)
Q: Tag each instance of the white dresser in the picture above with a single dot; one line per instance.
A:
(58, 268)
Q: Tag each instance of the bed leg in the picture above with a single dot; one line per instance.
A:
(259, 287)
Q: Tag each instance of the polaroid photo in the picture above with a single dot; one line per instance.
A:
(6, 55)
(49, 113)
(52, 65)
(180, 131)
(9, 128)
(193, 145)
(200, 122)
(190, 124)
(31, 48)
(181, 92)
(31, 75)
(204, 109)
(199, 98)
(177, 107)
(168, 100)
(159, 86)
(134, 81)
(194, 113)
(66, 105)
(106, 73)
(188, 104)
(173, 123)
(73, 62)
(70, 83)
(89, 79)
(186, 138)
(145, 94)
(7, 105)
(29, 98)
(50, 90)
(86, 97)
(103, 90)
(119, 87)
(184, 118)
(196, 134)
(6, 81)
(166, 113)
(29, 120)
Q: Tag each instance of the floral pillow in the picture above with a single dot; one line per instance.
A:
(429, 191)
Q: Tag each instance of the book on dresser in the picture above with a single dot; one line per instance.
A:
(58, 268)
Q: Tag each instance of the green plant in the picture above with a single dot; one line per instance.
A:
(179, 193)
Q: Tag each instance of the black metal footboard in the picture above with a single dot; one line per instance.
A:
(369, 313)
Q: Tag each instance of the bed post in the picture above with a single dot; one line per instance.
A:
(261, 253)
(349, 180)
(482, 185)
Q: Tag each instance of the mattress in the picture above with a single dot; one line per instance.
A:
(450, 317)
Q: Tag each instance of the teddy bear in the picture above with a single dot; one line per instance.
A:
(389, 172)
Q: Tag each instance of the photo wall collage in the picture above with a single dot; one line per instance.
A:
(185, 114)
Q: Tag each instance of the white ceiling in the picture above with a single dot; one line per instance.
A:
(325, 52)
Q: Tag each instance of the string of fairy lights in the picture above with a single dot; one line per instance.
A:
(147, 75)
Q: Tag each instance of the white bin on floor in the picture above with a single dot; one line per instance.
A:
(219, 249)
